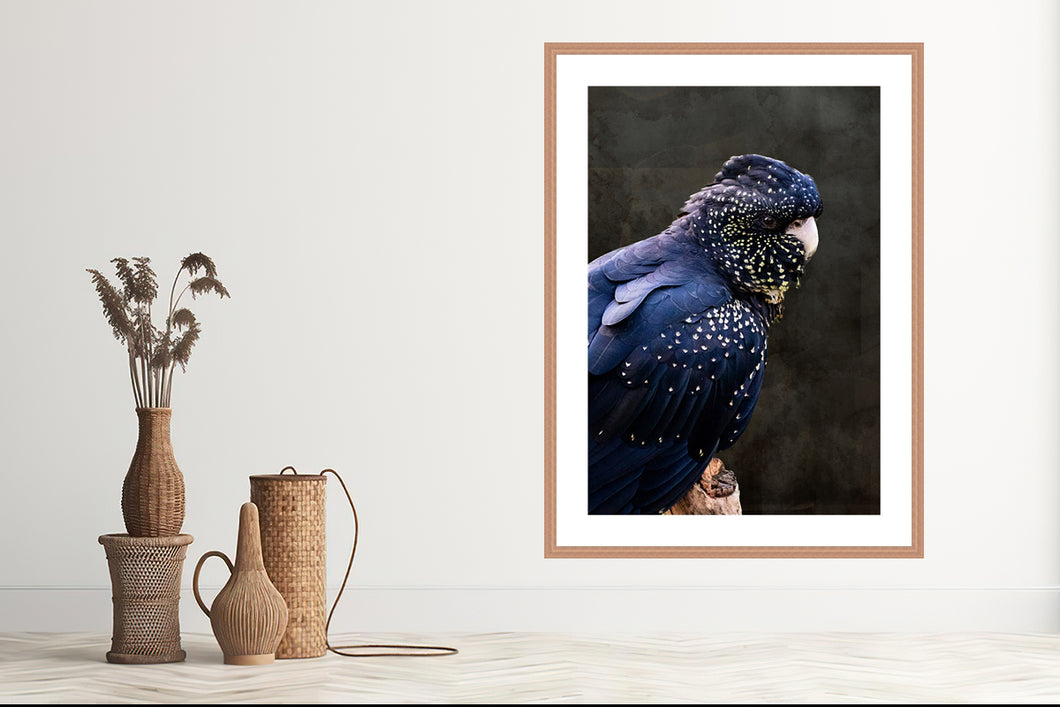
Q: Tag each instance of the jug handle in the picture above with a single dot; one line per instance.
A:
(195, 579)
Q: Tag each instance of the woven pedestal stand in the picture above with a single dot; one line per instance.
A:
(291, 509)
(145, 583)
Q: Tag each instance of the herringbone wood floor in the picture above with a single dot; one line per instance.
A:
(529, 667)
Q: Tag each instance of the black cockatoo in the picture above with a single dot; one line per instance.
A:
(677, 331)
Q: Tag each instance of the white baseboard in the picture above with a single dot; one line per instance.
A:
(601, 609)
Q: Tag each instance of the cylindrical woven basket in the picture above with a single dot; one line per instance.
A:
(292, 512)
(145, 584)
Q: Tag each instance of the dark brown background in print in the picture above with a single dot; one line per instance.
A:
(813, 445)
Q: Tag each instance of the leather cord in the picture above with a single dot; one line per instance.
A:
(368, 650)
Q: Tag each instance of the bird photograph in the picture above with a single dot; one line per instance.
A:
(733, 334)
(678, 327)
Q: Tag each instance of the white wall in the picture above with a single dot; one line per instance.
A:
(368, 178)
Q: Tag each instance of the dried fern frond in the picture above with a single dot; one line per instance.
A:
(153, 353)
(182, 349)
(163, 355)
(198, 261)
(207, 284)
(183, 318)
(113, 306)
(144, 332)
(145, 286)
(128, 278)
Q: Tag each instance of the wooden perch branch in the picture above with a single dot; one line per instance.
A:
(716, 494)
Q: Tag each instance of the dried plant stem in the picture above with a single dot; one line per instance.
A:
(145, 379)
(154, 384)
(167, 380)
(181, 294)
(169, 383)
(135, 383)
(149, 340)
(132, 378)
(172, 304)
(153, 355)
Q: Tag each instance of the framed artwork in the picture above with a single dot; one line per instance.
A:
(748, 219)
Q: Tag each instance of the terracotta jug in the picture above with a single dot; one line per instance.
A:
(248, 616)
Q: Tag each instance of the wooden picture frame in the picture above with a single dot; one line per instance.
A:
(896, 530)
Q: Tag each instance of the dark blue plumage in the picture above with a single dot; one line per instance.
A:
(677, 331)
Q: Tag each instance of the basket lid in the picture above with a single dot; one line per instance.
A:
(288, 477)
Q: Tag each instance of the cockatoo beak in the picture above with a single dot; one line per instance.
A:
(805, 229)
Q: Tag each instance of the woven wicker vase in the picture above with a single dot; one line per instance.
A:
(152, 498)
(248, 615)
(294, 550)
(145, 584)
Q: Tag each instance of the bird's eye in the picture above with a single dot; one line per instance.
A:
(769, 222)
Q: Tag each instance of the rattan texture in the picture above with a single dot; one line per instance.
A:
(292, 513)
(145, 583)
(152, 497)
